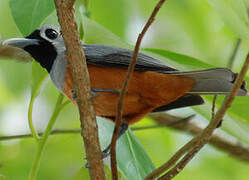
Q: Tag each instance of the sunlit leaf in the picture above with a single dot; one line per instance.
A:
(231, 18)
(95, 33)
(2, 177)
(240, 8)
(180, 58)
(82, 173)
(29, 14)
(111, 14)
(133, 161)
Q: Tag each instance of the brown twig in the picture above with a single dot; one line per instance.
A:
(219, 139)
(179, 167)
(53, 132)
(205, 136)
(65, 13)
(123, 92)
(172, 160)
(213, 106)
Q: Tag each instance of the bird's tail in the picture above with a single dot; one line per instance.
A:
(213, 81)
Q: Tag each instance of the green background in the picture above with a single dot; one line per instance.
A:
(204, 29)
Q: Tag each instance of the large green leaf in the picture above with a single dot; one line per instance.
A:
(240, 8)
(95, 33)
(133, 162)
(231, 17)
(180, 58)
(82, 173)
(2, 177)
(111, 14)
(29, 14)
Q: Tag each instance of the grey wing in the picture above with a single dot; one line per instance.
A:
(109, 56)
(120, 58)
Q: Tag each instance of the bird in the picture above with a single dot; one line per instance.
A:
(154, 86)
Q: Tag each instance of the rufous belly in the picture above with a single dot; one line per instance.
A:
(147, 90)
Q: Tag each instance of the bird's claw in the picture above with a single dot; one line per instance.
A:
(94, 91)
(73, 92)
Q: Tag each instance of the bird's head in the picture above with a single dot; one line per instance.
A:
(42, 44)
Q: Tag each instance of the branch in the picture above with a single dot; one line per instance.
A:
(205, 136)
(76, 131)
(219, 139)
(123, 92)
(80, 73)
(53, 132)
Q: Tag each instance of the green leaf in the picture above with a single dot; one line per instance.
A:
(231, 17)
(2, 177)
(82, 173)
(29, 14)
(113, 16)
(180, 58)
(240, 8)
(95, 33)
(133, 162)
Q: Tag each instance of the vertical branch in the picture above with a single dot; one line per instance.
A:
(213, 106)
(30, 118)
(123, 92)
(208, 131)
(191, 148)
(65, 12)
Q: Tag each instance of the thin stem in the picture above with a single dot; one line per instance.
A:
(75, 131)
(30, 119)
(53, 132)
(43, 140)
(172, 160)
(213, 106)
(205, 136)
(226, 143)
(232, 57)
(118, 120)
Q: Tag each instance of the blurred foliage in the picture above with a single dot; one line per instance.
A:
(187, 34)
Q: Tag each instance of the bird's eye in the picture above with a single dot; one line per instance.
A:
(51, 34)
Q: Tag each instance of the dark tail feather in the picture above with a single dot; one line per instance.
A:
(184, 101)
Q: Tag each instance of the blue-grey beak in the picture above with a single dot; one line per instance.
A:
(20, 42)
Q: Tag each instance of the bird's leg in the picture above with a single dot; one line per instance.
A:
(106, 151)
(94, 92)
(123, 129)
